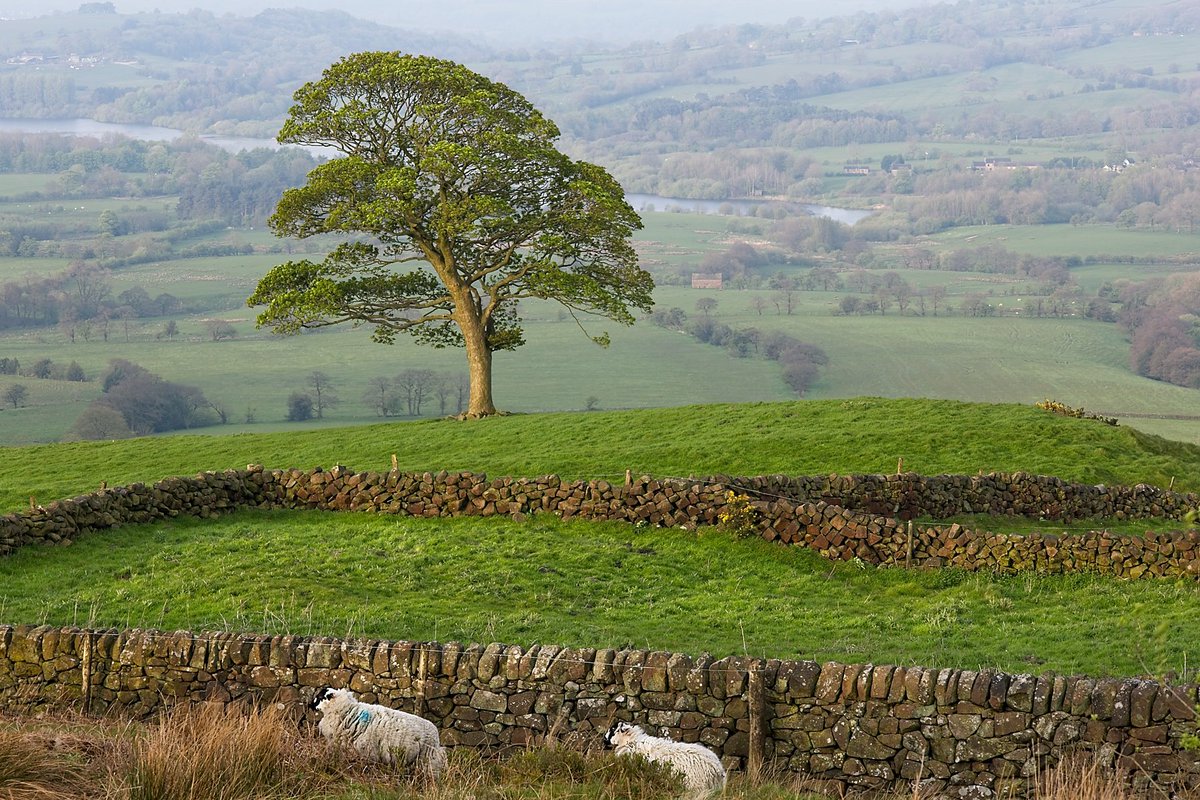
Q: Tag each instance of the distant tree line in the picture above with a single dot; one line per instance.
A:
(411, 393)
(136, 402)
(238, 189)
(801, 362)
(265, 54)
(1163, 318)
(43, 369)
(81, 299)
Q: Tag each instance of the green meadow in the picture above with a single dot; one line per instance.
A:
(1077, 240)
(589, 584)
(609, 584)
(1006, 358)
(856, 435)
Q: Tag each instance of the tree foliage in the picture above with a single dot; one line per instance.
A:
(461, 206)
(144, 402)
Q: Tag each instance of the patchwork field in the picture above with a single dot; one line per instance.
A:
(1005, 358)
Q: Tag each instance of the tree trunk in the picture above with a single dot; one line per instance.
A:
(479, 368)
(479, 365)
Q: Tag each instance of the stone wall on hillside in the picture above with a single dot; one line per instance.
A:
(972, 734)
(834, 515)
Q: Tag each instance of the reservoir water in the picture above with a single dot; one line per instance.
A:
(640, 202)
(652, 202)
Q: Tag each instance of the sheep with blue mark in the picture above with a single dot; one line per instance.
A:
(378, 733)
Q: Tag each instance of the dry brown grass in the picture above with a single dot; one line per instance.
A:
(1082, 779)
(212, 753)
(40, 763)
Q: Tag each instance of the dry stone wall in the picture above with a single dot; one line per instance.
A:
(841, 517)
(971, 734)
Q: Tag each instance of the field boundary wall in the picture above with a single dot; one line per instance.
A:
(867, 517)
(970, 734)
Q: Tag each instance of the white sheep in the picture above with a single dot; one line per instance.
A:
(378, 733)
(702, 771)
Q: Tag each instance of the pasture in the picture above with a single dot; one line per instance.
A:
(1077, 240)
(795, 438)
(1007, 358)
(589, 584)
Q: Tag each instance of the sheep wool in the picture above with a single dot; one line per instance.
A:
(702, 771)
(378, 733)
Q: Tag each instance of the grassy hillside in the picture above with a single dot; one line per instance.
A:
(807, 437)
(1005, 358)
(590, 585)
(609, 584)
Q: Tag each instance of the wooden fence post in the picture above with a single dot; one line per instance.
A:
(85, 673)
(758, 721)
(422, 668)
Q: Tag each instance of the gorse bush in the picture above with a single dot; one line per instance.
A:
(1065, 410)
(740, 517)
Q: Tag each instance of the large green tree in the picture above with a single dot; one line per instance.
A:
(458, 205)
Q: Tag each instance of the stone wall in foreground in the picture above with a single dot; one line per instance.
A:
(975, 734)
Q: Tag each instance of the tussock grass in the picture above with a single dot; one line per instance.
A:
(262, 755)
(28, 769)
(1082, 779)
(212, 753)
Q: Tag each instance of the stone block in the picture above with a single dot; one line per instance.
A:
(800, 678)
(1020, 692)
(1141, 703)
(963, 726)
(519, 703)
(881, 682)
(489, 701)
(864, 745)
(829, 682)
(654, 672)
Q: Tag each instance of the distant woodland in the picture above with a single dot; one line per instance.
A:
(970, 114)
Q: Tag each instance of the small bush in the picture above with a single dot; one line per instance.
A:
(740, 517)
(1065, 410)
(300, 407)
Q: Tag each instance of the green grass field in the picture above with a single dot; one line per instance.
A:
(1075, 240)
(1004, 359)
(608, 584)
(997, 359)
(795, 438)
(589, 584)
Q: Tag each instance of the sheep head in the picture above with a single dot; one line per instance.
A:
(621, 733)
(326, 695)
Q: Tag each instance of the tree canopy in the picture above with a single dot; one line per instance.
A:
(458, 205)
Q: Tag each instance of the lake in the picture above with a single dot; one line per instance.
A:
(652, 202)
(234, 144)
(149, 133)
